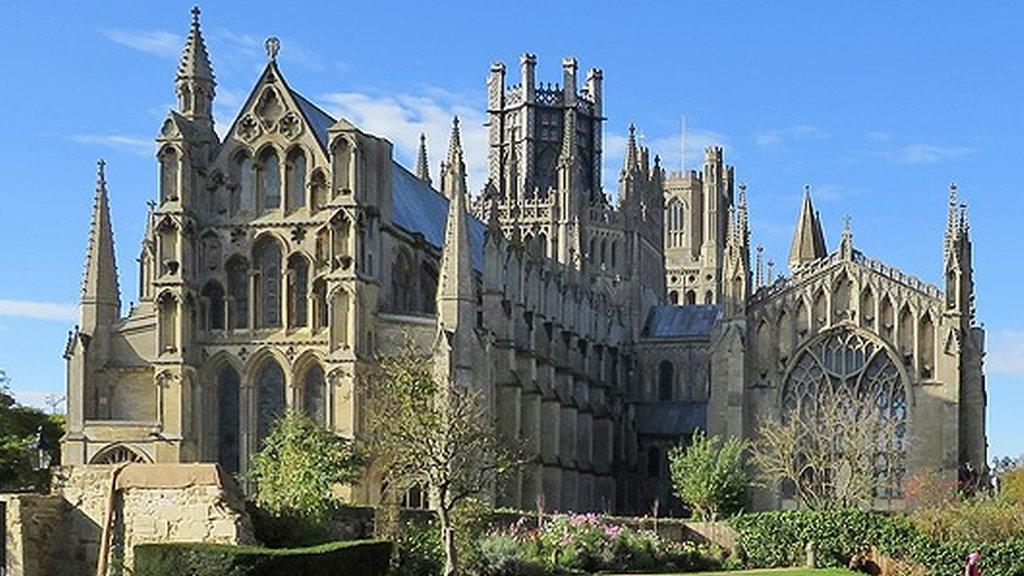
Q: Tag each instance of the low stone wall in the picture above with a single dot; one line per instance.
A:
(61, 533)
(30, 536)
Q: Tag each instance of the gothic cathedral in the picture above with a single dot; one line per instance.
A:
(280, 261)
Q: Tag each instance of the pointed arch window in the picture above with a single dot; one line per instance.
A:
(228, 419)
(243, 191)
(267, 257)
(168, 308)
(238, 291)
(674, 223)
(666, 381)
(298, 291)
(428, 288)
(269, 182)
(320, 310)
(270, 402)
(313, 392)
(402, 292)
(169, 174)
(213, 298)
(845, 363)
(295, 180)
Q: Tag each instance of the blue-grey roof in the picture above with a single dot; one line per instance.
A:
(694, 321)
(671, 418)
(419, 208)
(319, 120)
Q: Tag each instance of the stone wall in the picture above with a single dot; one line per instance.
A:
(151, 503)
(31, 521)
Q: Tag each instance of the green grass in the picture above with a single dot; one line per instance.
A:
(778, 572)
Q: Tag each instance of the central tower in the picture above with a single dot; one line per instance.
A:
(545, 157)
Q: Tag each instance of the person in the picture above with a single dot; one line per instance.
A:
(973, 566)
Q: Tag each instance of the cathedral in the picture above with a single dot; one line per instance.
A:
(280, 261)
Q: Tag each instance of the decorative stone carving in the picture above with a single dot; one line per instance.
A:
(269, 108)
(249, 128)
(290, 126)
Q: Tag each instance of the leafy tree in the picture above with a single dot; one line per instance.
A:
(709, 475)
(300, 466)
(829, 455)
(22, 430)
(423, 432)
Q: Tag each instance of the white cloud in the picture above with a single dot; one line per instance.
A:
(927, 153)
(156, 42)
(401, 118)
(880, 136)
(799, 132)
(1005, 352)
(134, 144)
(54, 311)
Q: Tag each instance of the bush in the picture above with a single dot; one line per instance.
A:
(778, 539)
(360, 558)
(419, 549)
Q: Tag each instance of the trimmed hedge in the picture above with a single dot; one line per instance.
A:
(778, 539)
(356, 558)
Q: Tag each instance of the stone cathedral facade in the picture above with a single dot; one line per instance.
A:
(281, 260)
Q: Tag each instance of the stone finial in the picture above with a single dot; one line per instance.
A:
(273, 46)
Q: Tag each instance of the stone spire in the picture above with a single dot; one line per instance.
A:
(808, 239)
(632, 155)
(194, 81)
(456, 303)
(101, 296)
(953, 228)
(422, 165)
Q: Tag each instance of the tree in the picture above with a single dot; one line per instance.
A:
(422, 432)
(23, 430)
(829, 454)
(300, 466)
(709, 475)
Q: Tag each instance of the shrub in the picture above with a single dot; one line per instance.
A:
(708, 474)
(419, 549)
(299, 466)
(360, 558)
(778, 539)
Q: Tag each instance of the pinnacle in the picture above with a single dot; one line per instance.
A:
(195, 60)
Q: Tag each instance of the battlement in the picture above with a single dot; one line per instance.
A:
(549, 94)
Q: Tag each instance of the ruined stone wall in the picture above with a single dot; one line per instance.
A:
(61, 533)
(29, 535)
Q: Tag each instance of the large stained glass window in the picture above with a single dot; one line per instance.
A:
(845, 364)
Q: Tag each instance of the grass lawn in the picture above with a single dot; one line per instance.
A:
(777, 572)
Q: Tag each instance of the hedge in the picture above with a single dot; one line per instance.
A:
(355, 558)
(778, 539)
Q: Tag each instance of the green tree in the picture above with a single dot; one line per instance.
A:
(422, 432)
(300, 467)
(22, 429)
(709, 475)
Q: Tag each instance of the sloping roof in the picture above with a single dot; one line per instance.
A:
(695, 321)
(319, 120)
(419, 208)
(671, 418)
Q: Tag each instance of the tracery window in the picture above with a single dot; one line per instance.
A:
(846, 364)
(674, 223)
(228, 418)
(270, 401)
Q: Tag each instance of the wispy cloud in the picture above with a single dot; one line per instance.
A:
(156, 42)
(52, 311)
(401, 118)
(777, 137)
(1005, 352)
(879, 136)
(134, 144)
(926, 153)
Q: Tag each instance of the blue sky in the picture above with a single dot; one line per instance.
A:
(877, 106)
